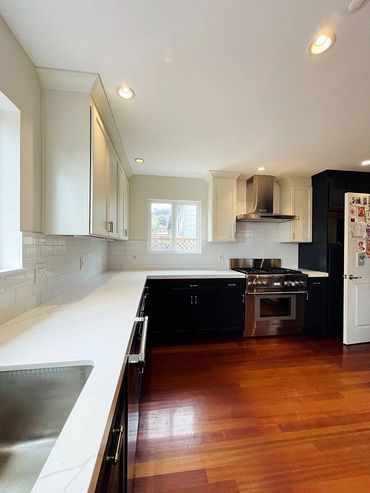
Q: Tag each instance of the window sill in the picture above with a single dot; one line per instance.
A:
(7, 272)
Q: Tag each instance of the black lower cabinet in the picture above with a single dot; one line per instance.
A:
(195, 309)
(232, 307)
(112, 477)
(316, 306)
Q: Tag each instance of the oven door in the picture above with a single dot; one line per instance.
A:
(274, 314)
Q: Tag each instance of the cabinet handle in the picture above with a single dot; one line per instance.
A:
(139, 359)
(193, 285)
(191, 300)
(316, 283)
(115, 457)
(232, 285)
(110, 226)
(196, 299)
(243, 298)
(125, 232)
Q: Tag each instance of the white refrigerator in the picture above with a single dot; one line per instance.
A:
(356, 299)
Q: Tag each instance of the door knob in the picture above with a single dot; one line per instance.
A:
(351, 276)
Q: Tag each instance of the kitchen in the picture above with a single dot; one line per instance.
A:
(78, 241)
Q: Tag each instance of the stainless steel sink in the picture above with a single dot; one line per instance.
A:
(34, 405)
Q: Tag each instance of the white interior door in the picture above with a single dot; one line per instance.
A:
(356, 301)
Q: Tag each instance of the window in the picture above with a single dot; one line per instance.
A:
(10, 236)
(174, 226)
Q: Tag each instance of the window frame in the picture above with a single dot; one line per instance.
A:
(173, 202)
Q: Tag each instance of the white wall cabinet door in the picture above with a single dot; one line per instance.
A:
(222, 209)
(112, 210)
(99, 176)
(126, 202)
(123, 204)
(296, 199)
(301, 228)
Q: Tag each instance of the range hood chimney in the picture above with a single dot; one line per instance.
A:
(259, 195)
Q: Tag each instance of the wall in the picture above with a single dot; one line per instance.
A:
(19, 293)
(143, 188)
(19, 82)
(253, 240)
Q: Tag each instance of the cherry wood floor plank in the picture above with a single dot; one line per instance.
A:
(266, 415)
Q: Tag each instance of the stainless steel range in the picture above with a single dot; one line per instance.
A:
(274, 297)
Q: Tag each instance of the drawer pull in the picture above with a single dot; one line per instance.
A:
(317, 283)
(232, 285)
(115, 457)
(193, 285)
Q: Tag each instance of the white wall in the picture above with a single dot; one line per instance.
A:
(253, 240)
(143, 188)
(19, 82)
(61, 254)
(18, 291)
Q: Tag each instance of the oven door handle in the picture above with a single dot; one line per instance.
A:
(262, 293)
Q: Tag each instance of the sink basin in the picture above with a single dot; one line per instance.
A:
(34, 405)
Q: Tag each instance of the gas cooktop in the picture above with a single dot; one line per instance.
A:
(266, 270)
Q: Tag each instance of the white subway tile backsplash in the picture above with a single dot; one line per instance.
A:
(19, 292)
(252, 240)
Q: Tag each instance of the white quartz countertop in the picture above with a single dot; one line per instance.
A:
(91, 324)
(314, 273)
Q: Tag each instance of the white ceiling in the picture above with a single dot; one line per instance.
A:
(220, 84)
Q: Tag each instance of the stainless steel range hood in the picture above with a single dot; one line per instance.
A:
(260, 190)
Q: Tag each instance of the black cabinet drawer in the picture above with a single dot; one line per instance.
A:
(192, 284)
(232, 284)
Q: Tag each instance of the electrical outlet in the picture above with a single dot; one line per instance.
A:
(40, 272)
(220, 257)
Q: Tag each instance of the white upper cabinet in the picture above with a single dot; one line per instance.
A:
(222, 206)
(81, 161)
(122, 205)
(100, 162)
(296, 198)
(112, 199)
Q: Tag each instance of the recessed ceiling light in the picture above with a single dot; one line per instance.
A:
(366, 162)
(139, 160)
(261, 168)
(322, 43)
(125, 92)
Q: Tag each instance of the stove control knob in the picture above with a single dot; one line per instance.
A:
(259, 282)
(286, 283)
(264, 282)
(292, 283)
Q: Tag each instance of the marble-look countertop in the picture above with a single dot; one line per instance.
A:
(91, 324)
(313, 273)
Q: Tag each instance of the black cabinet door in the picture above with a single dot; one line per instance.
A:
(182, 312)
(112, 477)
(156, 307)
(232, 311)
(315, 318)
(205, 315)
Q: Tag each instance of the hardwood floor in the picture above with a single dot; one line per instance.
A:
(267, 415)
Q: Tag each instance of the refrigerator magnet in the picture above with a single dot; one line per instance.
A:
(361, 212)
(360, 259)
(355, 200)
(368, 246)
(360, 245)
(364, 200)
(353, 212)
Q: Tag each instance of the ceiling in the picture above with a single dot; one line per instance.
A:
(220, 84)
